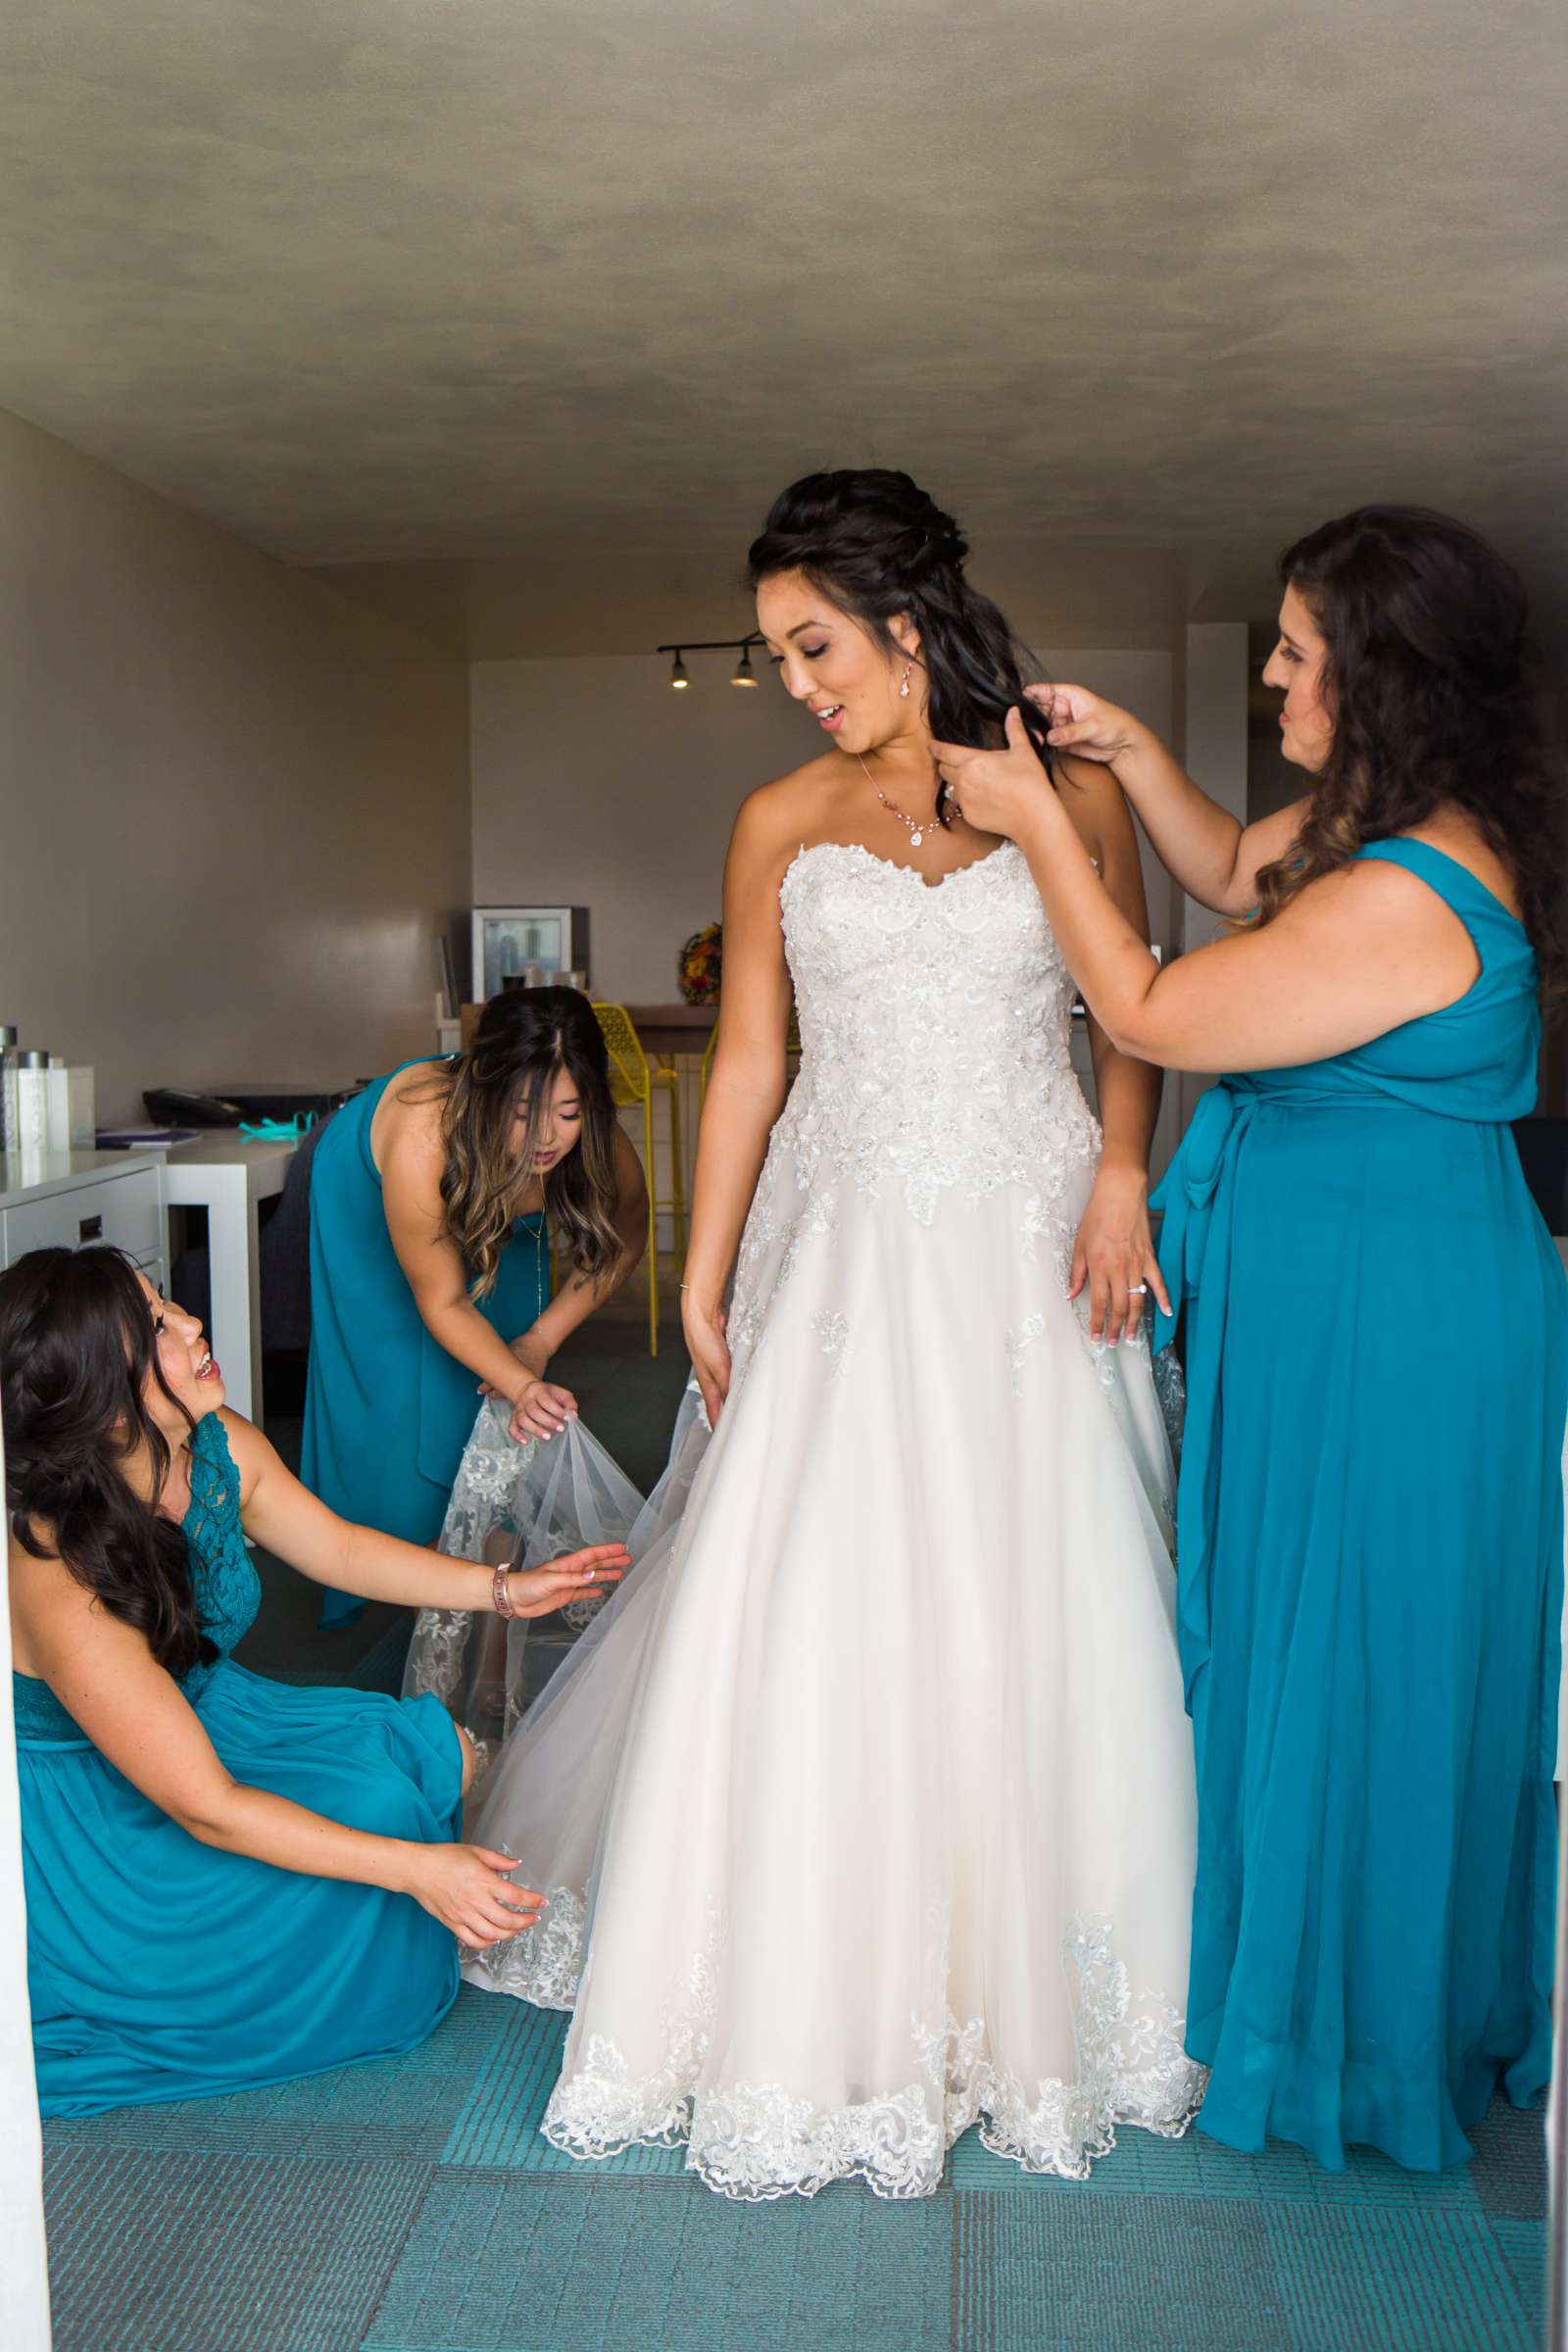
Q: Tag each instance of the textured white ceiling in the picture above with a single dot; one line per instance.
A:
(393, 279)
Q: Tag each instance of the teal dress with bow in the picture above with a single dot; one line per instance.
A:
(387, 1411)
(1371, 1534)
(159, 1968)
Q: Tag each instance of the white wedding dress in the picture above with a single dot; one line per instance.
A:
(865, 1807)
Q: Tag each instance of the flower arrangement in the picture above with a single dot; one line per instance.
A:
(701, 963)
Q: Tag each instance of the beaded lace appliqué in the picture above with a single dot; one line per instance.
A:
(756, 2142)
(935, 1028)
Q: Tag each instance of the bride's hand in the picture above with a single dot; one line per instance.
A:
(1114, 1253)
(997, 791)
(704, 1324)
(1080, 722)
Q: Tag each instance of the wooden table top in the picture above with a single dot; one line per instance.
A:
(674, 1028)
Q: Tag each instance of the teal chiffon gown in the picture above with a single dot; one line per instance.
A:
(160, 1968)
(387, 1411)
(1370, 1584)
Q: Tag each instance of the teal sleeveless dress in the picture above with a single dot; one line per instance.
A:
(387, 1411)
(1371, 1534)
(160, 1968)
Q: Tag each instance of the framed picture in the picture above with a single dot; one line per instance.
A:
(510, 941)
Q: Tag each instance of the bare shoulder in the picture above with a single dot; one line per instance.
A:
(1090, 793)
(251, 1451)
(48, 1605)
(776, 817)
(414, 1093)
(1457, 837)
(1372, 900)
(407, 1121)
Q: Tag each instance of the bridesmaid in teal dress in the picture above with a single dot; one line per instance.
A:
(1370, 1520)
(431, 1194)
(229, 1882)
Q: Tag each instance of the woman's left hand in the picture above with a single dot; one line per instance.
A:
(1114, 1254)
(541, 1411)
(997, 791)
(538, 1409)
(535, 1592)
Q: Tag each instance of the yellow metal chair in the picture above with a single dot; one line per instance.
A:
(635, 1080)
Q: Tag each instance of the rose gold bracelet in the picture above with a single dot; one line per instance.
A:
(499, 1593)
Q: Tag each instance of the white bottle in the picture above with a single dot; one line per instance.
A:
(10, 1060)
(32, 1103)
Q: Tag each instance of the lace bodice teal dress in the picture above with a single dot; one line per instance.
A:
(160, 1968)
(1370, 1583)
(387, 1411)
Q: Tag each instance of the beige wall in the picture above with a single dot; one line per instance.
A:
(595, 785)
(233, 805)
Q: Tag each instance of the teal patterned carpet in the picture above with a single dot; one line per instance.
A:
(412, 2206)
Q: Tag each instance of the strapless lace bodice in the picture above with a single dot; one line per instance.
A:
(228, 1589)
(934, 1027)
(935, 1022)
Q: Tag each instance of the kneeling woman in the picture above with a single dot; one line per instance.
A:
(229, 1880)
(431, 1196)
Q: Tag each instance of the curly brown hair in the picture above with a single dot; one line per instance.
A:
(78, 1354)
(1430, 683)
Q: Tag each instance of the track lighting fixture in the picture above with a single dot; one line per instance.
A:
(743, 674)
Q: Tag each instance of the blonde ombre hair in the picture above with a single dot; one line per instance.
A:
(526, 1038)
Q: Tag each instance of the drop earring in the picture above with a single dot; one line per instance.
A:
(903, 689)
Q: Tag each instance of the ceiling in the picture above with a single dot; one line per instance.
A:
(536, 283)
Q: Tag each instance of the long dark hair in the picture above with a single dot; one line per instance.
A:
(525, 1038)
(876, 545)
(1429, 683)
(78, 1350)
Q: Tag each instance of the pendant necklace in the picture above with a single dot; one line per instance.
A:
(916, 828)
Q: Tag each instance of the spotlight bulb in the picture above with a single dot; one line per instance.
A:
(679, 675)
(742, 673)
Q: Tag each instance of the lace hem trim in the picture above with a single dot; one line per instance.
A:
(756, 2142)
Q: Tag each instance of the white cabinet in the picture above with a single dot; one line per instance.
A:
(65, 1200)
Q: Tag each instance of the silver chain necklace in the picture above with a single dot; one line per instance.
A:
(916, 828)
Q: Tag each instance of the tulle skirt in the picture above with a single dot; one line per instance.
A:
(865, 1807)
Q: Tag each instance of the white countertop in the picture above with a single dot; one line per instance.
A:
(226, 1146)
(33, 1175)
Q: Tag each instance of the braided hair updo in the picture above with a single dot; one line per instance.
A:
(878, 547)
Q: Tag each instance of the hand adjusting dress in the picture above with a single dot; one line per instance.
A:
(866, 1804)
(387, 1411)
(1371, 1572)
(160, 1968)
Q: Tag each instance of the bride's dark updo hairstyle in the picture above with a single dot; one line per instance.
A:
(876, 545)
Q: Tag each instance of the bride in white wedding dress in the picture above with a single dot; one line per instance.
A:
(865, 1807)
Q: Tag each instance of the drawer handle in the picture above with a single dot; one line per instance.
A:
(90, 1229)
